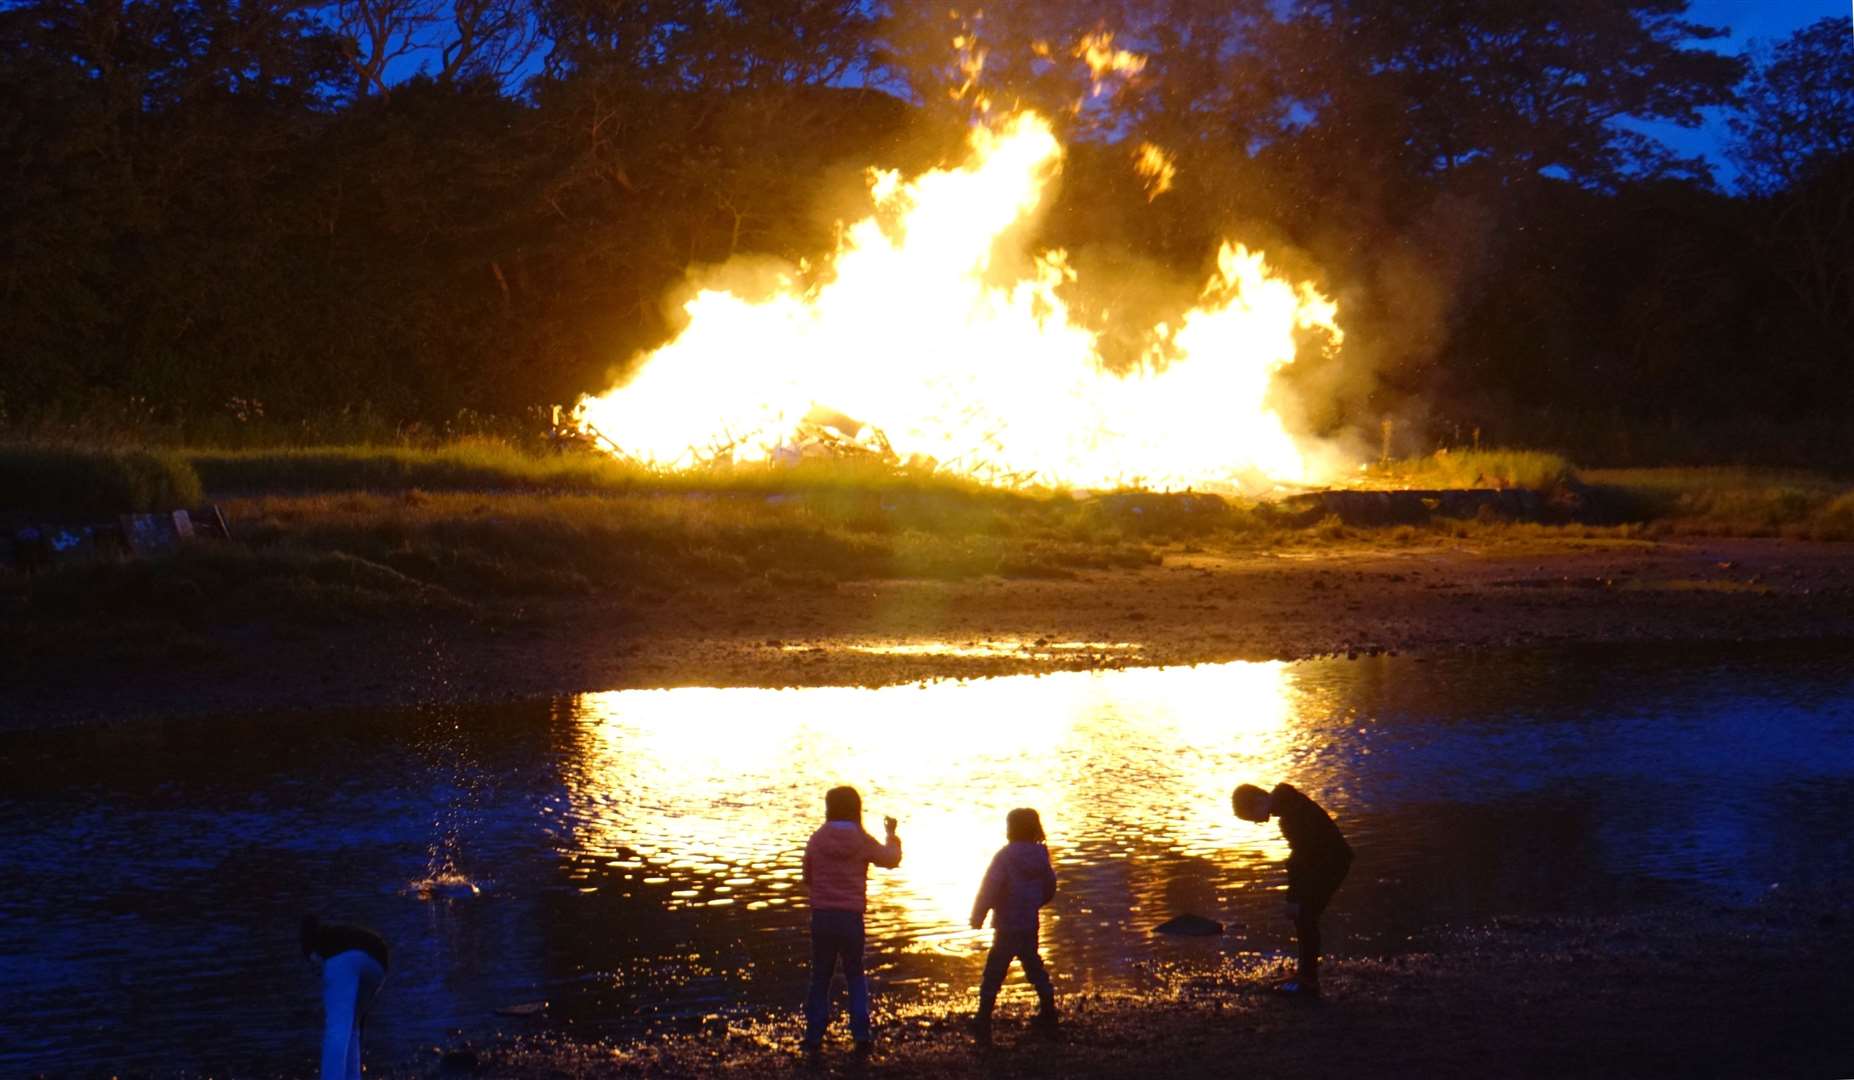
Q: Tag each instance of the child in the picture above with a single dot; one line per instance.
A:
(1018, 883)
(837, 862)
(353, 963)
(1318, 858)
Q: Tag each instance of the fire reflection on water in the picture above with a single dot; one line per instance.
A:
(638, 852)
(716, 790)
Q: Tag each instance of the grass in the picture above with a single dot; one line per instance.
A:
(66, 482)
(348, 533)
(490, 465)
(1731, 501)
(340, 557)
(1504, 469)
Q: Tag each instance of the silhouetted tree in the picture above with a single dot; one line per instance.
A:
(457, 40)
(1795, 143)
(1515, 88)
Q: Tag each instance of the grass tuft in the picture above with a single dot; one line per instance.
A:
(1533, 470)
(1731, 501)
(67, 482)
(489, 465)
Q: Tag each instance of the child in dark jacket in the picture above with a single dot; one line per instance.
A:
(1018, 883)
(1318, 858)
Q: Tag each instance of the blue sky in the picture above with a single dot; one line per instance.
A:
(1763, 18)
(1750, 21)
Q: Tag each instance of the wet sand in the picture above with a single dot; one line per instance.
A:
(1764, 991)
(1195, 607)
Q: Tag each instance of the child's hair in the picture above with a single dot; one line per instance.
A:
(1023, 824)
(843, 804)
(1250, 798)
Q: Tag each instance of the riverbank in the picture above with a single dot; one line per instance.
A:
(196, 651)
(1757, 991)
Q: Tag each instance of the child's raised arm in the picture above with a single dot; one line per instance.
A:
(886, 854)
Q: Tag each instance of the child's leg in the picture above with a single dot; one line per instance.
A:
(859, 982)
(1038, 975)
(997, 964)
(1312, 907)
(823, 962)
(370, 977)
(1307, 927)
(354, 1068)
(340, 994)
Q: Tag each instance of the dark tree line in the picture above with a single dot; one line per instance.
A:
(427, 206)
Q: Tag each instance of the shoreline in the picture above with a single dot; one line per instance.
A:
(1692, 991)
(1194, 607)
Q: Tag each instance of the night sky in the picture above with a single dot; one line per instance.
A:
(1751, 22)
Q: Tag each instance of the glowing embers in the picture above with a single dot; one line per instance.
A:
(936, 334)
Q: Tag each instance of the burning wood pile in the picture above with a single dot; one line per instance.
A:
(956, 342)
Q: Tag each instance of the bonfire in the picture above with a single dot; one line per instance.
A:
(934, 335)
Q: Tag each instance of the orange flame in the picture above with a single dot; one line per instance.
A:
(1104, 60)
(1157, 167)
(920, 333)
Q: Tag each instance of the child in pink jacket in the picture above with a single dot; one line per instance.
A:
(837, 862)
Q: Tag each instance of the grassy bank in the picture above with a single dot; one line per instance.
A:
(63, 482)
(322, 558)
(345, 533)
(1731, 501)
(488, 465)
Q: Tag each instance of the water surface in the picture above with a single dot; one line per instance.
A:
(637, 852)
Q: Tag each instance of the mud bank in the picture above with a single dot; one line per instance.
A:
(1763, 991)
(1194, 607)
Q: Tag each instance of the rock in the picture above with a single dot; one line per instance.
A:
(1190, 926)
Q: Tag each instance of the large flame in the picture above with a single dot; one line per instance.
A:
(946, 343)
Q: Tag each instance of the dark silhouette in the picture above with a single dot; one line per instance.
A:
(837, 860)
(353, 961)
(1317, 862)
(1018, 883)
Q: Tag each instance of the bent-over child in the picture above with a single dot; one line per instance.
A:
(1019, 882)
(353, 961)
(837, 860)
(1318, 858)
